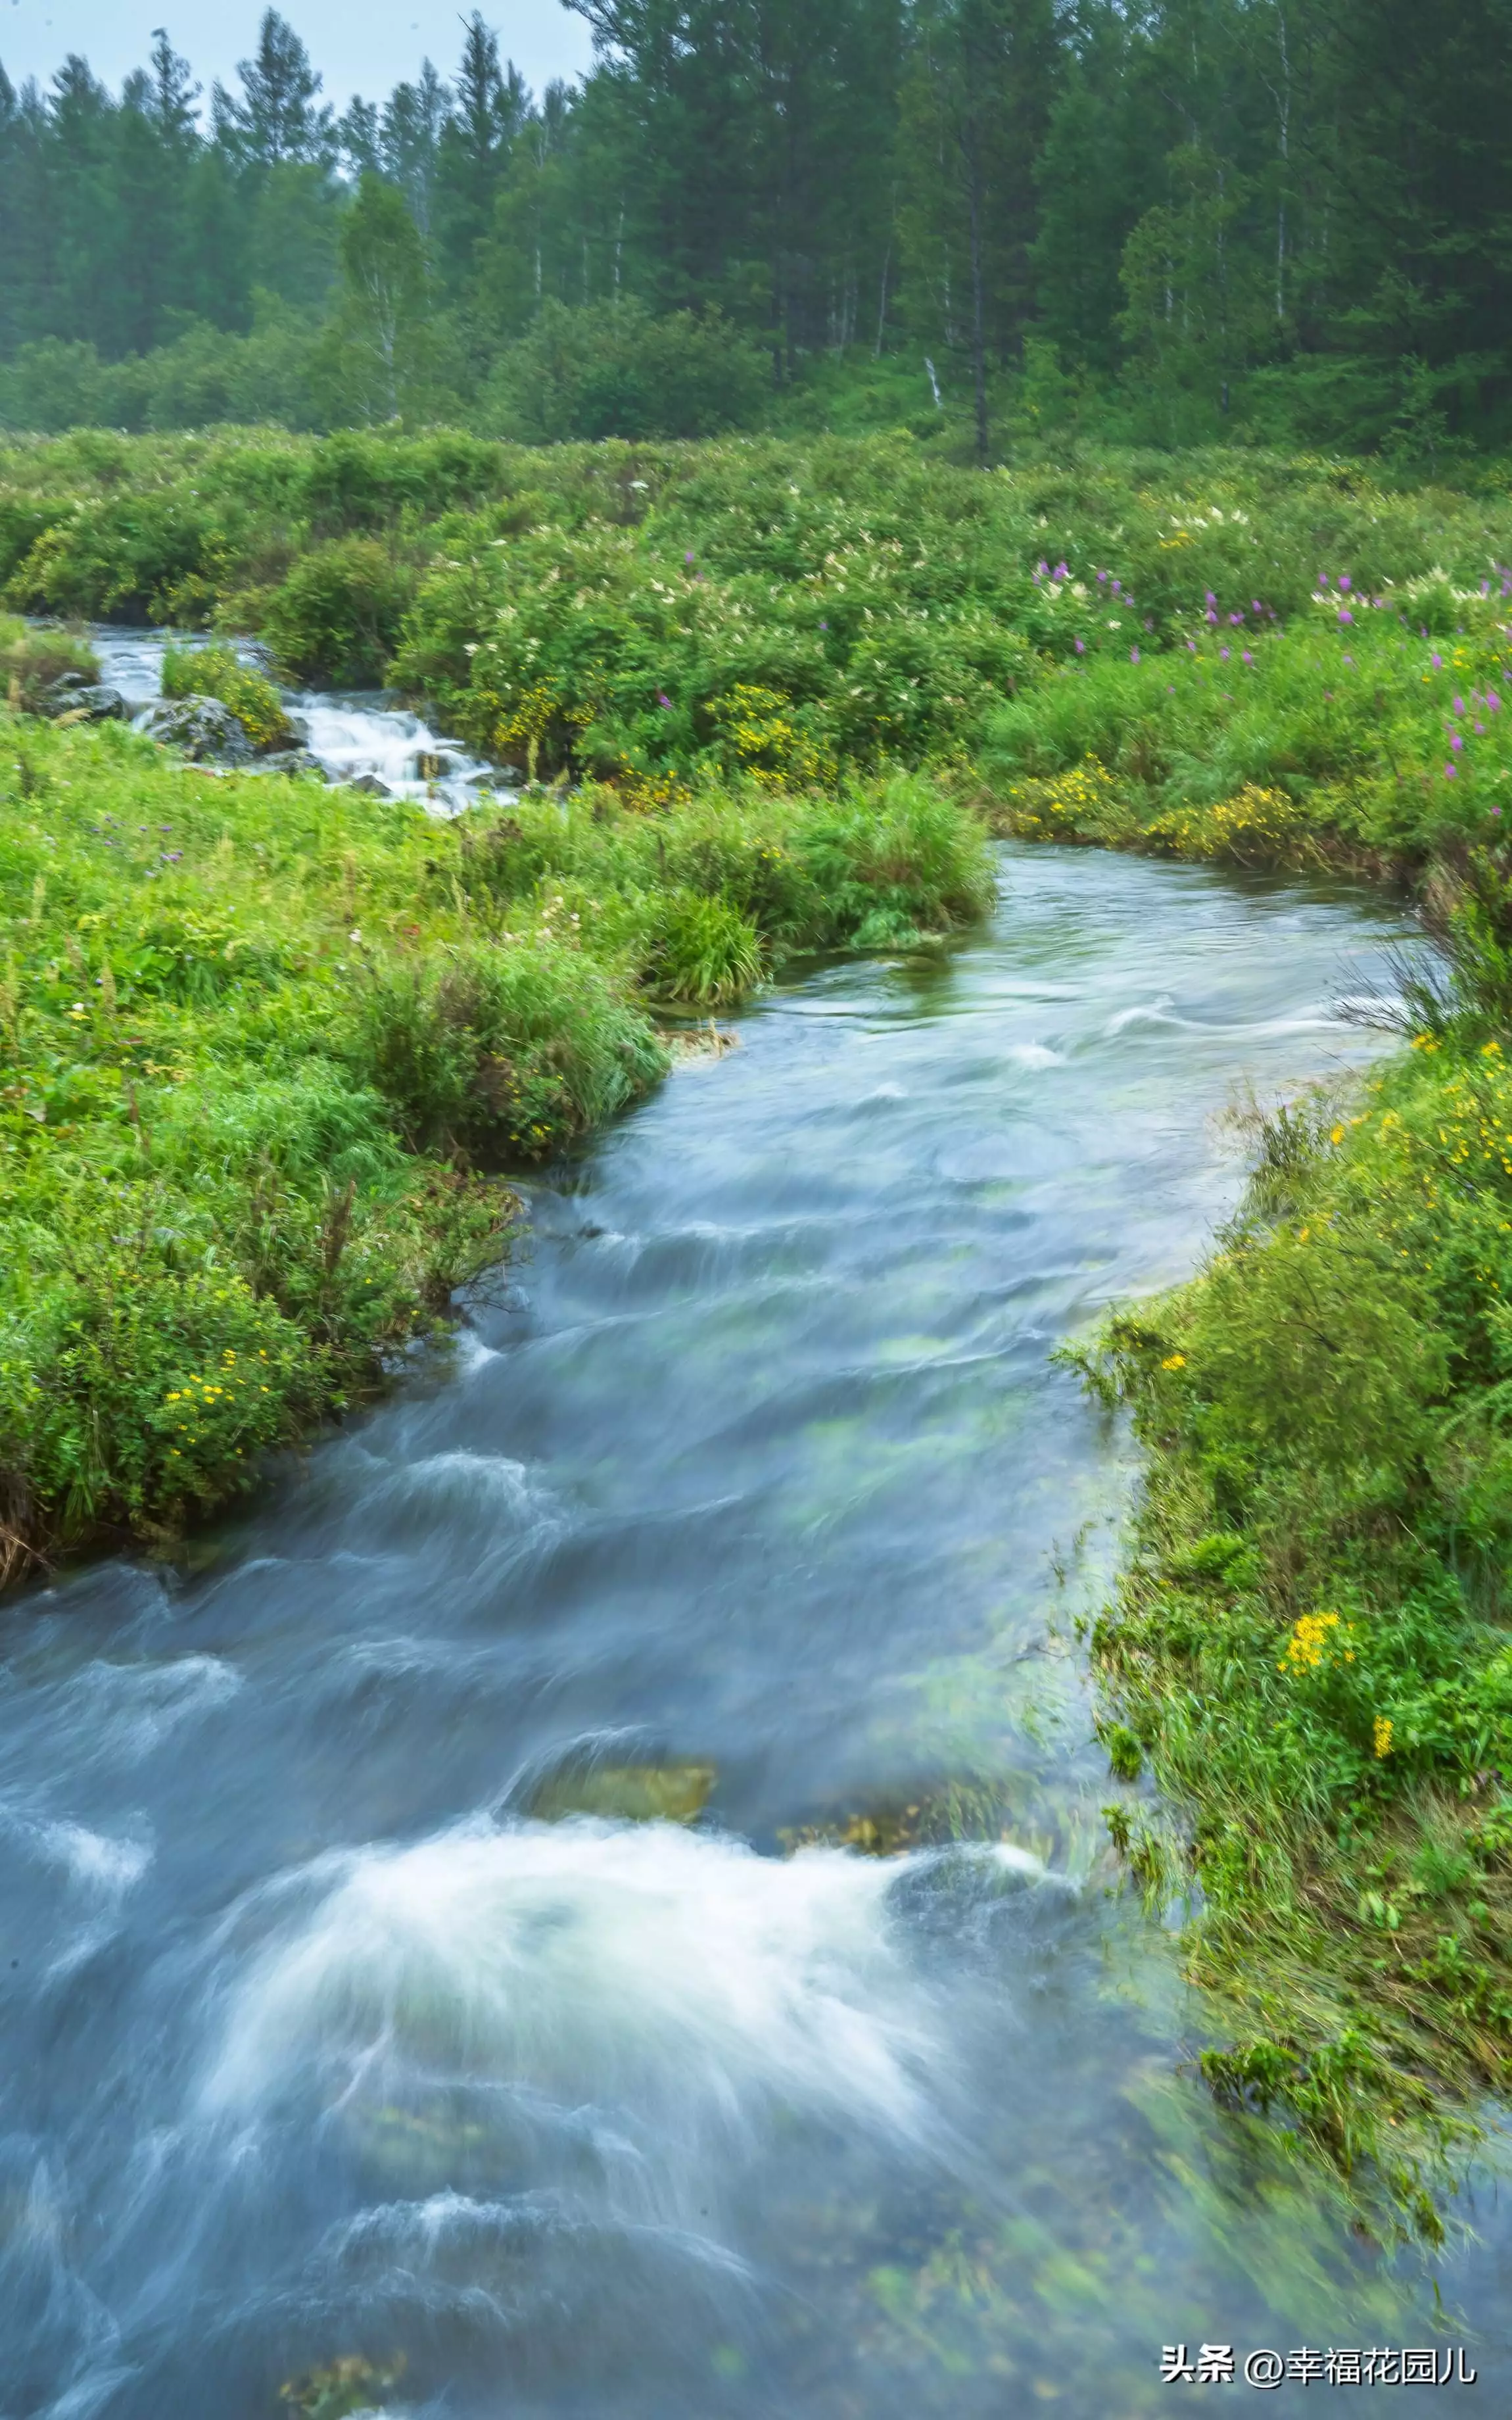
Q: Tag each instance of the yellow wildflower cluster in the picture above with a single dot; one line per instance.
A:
(1313, 1640)
(1383, 1735)
(1083, 801)
(649, 794)
(759, 729)
(1256, 827)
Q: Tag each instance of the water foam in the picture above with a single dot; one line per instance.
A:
(677, 1977)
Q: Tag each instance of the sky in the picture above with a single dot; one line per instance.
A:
(364, 46)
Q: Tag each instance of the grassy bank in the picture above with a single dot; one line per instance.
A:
(264, 1046)
(1311, 1644)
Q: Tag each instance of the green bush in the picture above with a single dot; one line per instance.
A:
(610, 369)
(504, 1053)
(337, 615)
(218, 672)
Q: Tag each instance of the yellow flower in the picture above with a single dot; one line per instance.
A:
(1174, 1361)
(1383, 1728)
(1337, 1135)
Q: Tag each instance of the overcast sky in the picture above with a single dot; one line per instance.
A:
(362, 46)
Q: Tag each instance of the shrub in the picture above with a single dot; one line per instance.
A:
(31, 660)
(218, 672)
(507, 1052)
(610, 369)
(336, 617)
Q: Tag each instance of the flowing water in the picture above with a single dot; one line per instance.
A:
(426, 1936)
(357, 736)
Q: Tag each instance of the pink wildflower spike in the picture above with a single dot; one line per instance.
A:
(1455, 742)
(1211, 617)
(1209, 599)
(1460, 706)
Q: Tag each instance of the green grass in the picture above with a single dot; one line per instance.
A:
(264, 1046)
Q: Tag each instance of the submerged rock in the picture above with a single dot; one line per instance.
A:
(370, 787)
(290, 761)
(201, 728)
(631, 1793)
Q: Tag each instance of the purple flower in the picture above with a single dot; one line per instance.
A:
(1493, 701)
(663, 698)
(1344, 616)
(1480, 731)
(1062, 572)
(1322, 580)
(1223, 655)
(1436, 662)
(1209, 599)
(1460, 706)
(687, 558)
(1133, 655)
(1246, 657)
(1210, 618)
(824, 626)
(1456, 742)
(1345, 582)
(1191, 646)
(1496, 811)
(1450, 772)
(1255, 605)
(1041, 569)
(1234, 620)
(1081, 646)
(1101, 575)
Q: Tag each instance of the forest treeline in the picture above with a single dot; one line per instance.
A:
(1166, 222)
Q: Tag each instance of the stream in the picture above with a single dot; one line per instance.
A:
(429, 1939)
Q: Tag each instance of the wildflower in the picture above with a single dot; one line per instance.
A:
(1437, 661)
(1383, 1735)
(1133, 655)
(663, 698)
(1346, 617)
(1081, 646)
(1246, 657)
(1460, 706)
(1322, 580)
(1223, 655)
(1345, 582)
(1451, 772)
(1456, 741)
(1210, 618)
(1174, 1361)
(1234, 620)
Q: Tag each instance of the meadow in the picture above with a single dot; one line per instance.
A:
(273, 1051)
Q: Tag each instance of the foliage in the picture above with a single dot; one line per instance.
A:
(220, 673)
(1163, 226)
(614, 370)
(337, 615)
(31, 660)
